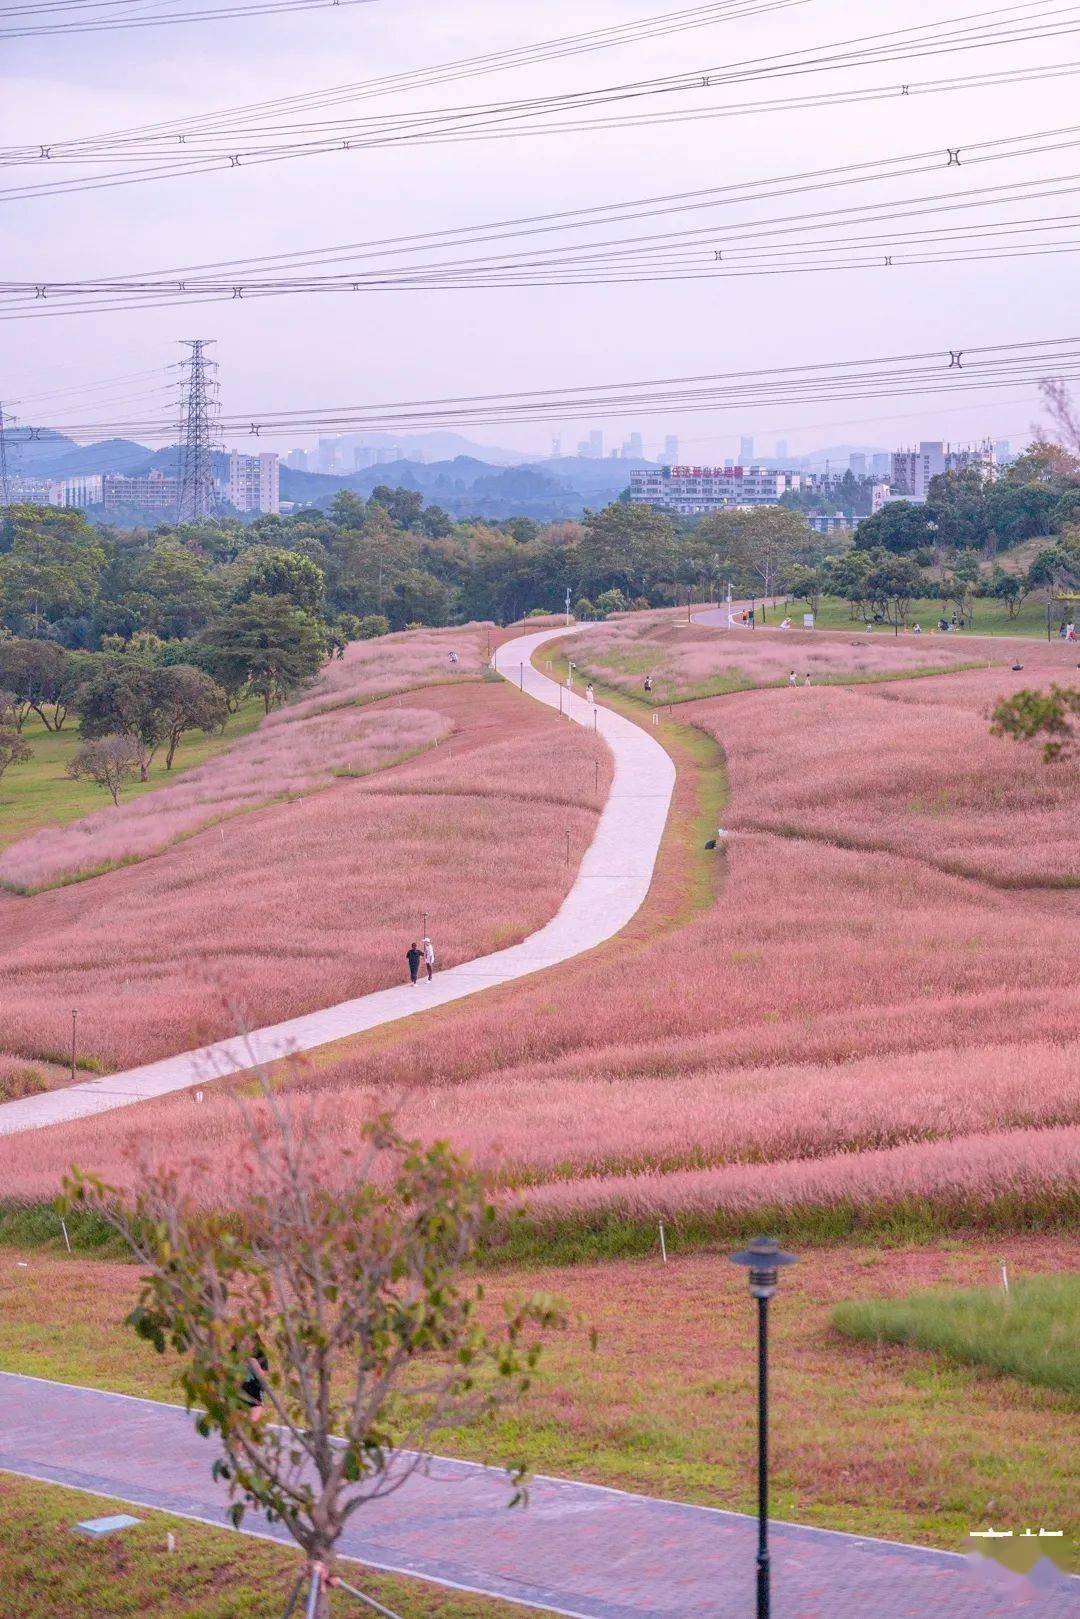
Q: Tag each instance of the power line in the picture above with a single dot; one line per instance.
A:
(110, 25)
(155, 152)
(978, 369)
(419, 261)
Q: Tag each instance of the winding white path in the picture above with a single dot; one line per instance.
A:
(609, 888)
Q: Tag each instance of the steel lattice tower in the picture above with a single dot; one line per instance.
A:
(4, 485)
(195, 498)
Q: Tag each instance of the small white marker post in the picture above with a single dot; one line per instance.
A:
(663, 1244)
(64, 1229)
(198, 1096)
(1005, 1278)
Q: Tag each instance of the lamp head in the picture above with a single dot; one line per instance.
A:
(763, 1259)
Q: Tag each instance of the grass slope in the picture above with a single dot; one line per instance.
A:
(1031, 1332)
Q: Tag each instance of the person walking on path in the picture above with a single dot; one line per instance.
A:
(793, 679)
(429, 957)
(414, 958)
(589, 695)
(806, 678)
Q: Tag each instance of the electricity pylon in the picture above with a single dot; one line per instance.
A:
(195, 496)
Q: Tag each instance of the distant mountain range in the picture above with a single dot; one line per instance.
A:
(470, 480)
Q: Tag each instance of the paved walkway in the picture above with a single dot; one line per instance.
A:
(610, 886)
(578, 1549)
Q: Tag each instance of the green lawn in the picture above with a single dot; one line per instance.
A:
(989, 617)
(51, 1573)
(1031, 1332)
(39, 793)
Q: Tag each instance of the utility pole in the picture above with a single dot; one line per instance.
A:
(195, 498)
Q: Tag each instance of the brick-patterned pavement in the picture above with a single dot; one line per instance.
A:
(578, 1549)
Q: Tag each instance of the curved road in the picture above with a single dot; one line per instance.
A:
(610, 886)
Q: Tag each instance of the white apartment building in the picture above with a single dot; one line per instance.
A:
(912, 469)
(80, 491)
(254, 482)
(709, 489)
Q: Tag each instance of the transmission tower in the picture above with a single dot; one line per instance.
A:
(195, 497)
(5, 488)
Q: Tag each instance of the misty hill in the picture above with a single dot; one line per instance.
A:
(468, 487)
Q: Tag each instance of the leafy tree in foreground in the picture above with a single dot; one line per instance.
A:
(121, 699)
(1028, 715)
(267, 644)
(108, 761)
(334, 1286)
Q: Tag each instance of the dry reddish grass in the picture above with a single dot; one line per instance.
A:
(872, 1438)
(299, 905)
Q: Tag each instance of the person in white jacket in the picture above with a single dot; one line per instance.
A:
(429, 957)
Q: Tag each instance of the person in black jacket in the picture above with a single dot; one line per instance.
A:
(414, 958)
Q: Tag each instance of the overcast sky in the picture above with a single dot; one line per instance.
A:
(321, 350)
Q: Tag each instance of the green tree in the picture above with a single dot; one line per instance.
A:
(176, 591)
(1028, 715)
(625, 547)
(189, 700)
(42, 678)
(806, 585)
(52, 565)
(286, 573)
(762, 543)
(848, 576)
(109, 762)
(957, 503)
(13, 749)
(1016, 512)
(402, 506)
(893, 582)
(900, 526)
(264, 643)
(120, 699)
(419, 598)
(1010, 589)
(373, 625)
(338, 1284)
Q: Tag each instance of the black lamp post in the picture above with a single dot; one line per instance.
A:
(763, 1259)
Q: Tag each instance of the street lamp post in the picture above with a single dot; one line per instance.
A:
(763, 1259)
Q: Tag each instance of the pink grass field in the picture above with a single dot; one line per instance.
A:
(911, 768)
(298, 905)
(851, 1024)
(697, 660)
(285, 756)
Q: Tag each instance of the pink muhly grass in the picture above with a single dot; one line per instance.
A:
(300, 905)
(1028, 1170)
(910, 769)
(274, 761)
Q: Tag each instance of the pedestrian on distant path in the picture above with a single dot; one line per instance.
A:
(648, 682)
(429, 957)
(589, 695)
(414, 958)
(453, 657)
(793, 679)
(806, 680)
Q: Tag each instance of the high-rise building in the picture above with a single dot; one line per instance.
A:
(671, 450)
(633, 449)
(556, 447)
(746, 450)
(82, 491)
(254, 482)
(596, 445)
(363, 456)
(913, 469)
(881, 464)
(781, 449)
(857, 464)
(297, 460)
(153, 492)
(1003, 451)
(709, 489)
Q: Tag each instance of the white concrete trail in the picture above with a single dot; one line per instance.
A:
(609, 888)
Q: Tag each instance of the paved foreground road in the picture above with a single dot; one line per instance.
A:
(610, 886)
(578, 1549)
